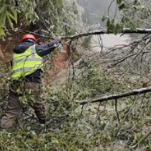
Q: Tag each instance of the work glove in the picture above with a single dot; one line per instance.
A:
(56, 42)
(58, 45)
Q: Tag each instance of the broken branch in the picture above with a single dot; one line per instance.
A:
(118, 96)
(99, 32)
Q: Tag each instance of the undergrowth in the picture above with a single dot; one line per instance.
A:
(71, 127)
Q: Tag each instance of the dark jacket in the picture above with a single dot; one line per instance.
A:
(41, 50)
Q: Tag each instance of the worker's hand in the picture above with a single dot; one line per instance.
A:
(59, 44)
(56, 43)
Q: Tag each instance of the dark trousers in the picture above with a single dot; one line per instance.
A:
(32, 93)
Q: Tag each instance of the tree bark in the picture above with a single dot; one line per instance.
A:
(99, 32)
(118, 96)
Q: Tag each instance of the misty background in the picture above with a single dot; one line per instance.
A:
(96, 9)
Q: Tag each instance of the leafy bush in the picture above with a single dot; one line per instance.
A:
(54, 17)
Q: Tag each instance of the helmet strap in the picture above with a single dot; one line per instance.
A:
(29, 40)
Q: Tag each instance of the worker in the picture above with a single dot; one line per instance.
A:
(26, 72)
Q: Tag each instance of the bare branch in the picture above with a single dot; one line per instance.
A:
(142, 140)
(118, 96)
(99, 32)
(116, 110)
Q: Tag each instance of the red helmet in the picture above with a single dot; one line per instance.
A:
(29, 36)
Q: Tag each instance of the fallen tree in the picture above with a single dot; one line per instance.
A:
(105, 31)
(95, 32)
(117, 96)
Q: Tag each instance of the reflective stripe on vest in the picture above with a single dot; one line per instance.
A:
(25, 69)
(33, 51)
(25, 63)
(24, 59)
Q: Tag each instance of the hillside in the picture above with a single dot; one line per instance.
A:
(96, 91)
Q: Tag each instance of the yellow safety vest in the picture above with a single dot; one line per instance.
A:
(25, 63)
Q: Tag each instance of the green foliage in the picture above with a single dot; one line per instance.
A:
(93, 127)
(129, 11)
(10, 10)
(72, 127)
(8, 13)
(94, 84)
(61, 17)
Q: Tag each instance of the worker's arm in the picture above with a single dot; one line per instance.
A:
(45, 49)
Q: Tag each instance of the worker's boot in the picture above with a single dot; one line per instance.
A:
(12, 112)
(40, 112)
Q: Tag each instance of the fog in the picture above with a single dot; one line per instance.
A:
(95, 9)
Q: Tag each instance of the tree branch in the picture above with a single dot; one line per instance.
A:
(117, 96)
(141, 140)
(98, 32)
